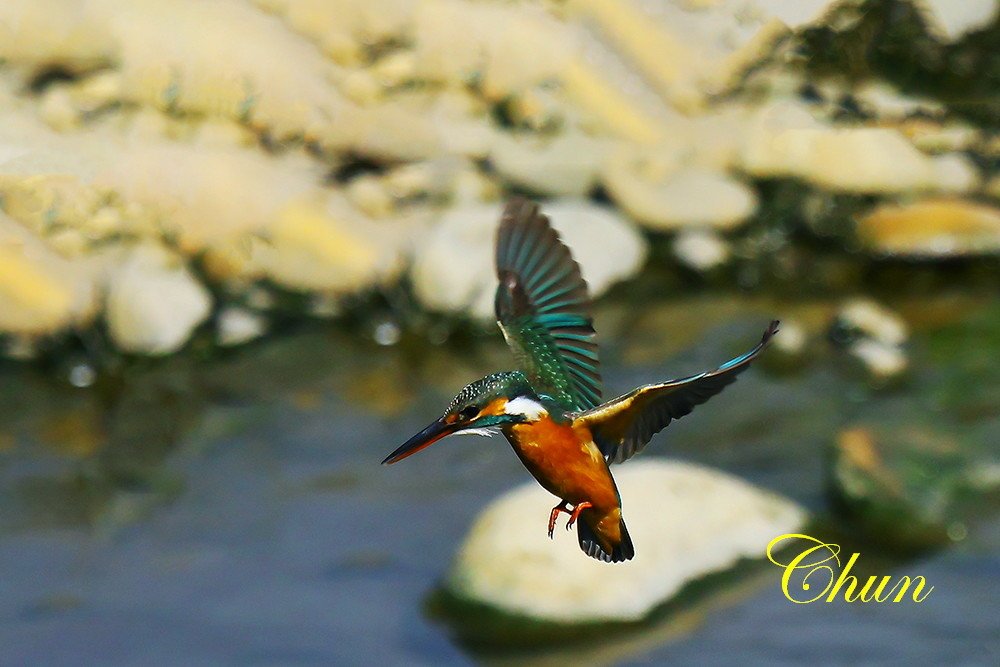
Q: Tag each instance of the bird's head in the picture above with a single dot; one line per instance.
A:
(495, 400)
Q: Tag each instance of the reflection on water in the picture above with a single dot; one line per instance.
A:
(232, 509)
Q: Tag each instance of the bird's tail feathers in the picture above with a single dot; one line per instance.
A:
(591, 545)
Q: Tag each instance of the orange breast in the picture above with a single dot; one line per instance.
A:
(565, 460)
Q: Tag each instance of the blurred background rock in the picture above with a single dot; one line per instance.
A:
(245, 247)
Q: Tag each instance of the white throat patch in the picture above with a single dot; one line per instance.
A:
(486, 432)
(529, 409)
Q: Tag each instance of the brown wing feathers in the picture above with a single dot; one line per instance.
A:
(623, 426)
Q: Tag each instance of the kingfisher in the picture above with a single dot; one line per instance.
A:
(550, 411)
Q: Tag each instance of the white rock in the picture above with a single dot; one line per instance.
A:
(885, 101)
(226, 60)
(507, 47)
(222, 134)
(97, 90)
(565, 165)
(57, 110)
(875, 321)
(453, 263)
(154, 303)
(540, 109)
(395, 69)
(208, 195)
(462, 128)
(952, 173)
(777, 139)
(608, 248)
(784, 140)
(399, 128)
(932, 137)
(701, 250)
(471, 185)
(954, 19)
(792, 337)
(41, 291)
(239, 325)
(686, 521)
(794, 13)
(322, 243)
(369, 195)
(445, 178)
(46, 32)
(684, 53)
(343, 27)
(691, 197)
(712, 139)
(875, 160)
(882, 360)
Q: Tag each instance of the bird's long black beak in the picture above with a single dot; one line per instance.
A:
(425, 438)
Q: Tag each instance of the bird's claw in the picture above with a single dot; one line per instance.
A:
(554, 514)
(576, 514)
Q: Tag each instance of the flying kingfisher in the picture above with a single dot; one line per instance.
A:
(551, 411)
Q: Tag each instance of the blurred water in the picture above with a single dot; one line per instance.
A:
(232, 510)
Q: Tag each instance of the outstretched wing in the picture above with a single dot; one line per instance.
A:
(622, 427)
(543, 308)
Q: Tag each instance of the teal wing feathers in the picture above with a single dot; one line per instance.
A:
(623, 426)
(543, 309)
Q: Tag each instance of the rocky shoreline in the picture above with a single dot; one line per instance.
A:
(155, 180)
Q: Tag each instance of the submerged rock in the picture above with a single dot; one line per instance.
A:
(792, 338)
(874, 335)
(883, 361)
(874, 321)
(906, 487)
(686, 522)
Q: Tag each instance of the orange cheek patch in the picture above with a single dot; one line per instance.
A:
(494, 407)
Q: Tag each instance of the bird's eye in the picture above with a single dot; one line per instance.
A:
(468, 412)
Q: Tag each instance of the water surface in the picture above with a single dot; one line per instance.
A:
(231, 509)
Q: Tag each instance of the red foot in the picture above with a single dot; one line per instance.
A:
(561, 507)
(576, 513)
